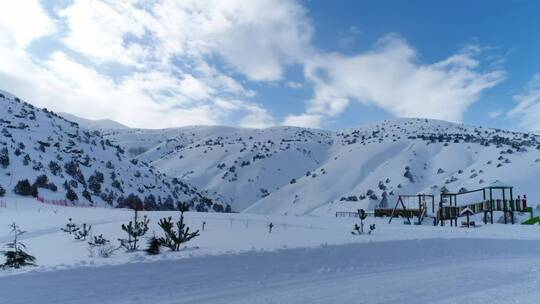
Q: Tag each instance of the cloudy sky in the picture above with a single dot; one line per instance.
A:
(260, 63)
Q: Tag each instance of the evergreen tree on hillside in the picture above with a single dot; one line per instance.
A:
(41, 181)
(4, 157)
(24, 188)
(71, 195)
(87, 195)
(95, 181)
(150, 202)
(55, 167)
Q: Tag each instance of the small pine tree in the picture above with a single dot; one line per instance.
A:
(135, 230)
(82, 233)
(174, 238)
(15, 256)
(102, 245)
(358, 230)
(371, 228)
(99, 241)
(153, 246)
(71, 227)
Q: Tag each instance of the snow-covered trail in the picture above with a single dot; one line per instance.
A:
(409, 271)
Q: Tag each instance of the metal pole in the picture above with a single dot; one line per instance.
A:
(504, 205)
(511, 194)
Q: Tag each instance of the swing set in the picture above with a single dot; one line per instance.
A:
(409, 207)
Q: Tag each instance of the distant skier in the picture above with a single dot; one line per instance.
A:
(270, 226)
(203, 225)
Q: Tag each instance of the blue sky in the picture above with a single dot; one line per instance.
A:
(325, 64)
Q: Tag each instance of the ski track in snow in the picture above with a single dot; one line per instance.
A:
(417, 271)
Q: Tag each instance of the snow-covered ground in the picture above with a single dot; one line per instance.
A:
(304, 260)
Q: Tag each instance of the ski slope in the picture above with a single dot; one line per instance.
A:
(298, 171)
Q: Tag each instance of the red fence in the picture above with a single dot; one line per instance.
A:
(64, 202)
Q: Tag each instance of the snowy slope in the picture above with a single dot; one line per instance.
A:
(99, 124)
(67, 159)
(286, 170)
(305, 259)
(242, 165)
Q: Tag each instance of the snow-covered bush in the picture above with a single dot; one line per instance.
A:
(102, 245)
(15, 255)
(408, 174)
(83, 232)
(384, 200)
(154, 246)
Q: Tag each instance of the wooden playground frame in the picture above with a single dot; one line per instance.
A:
(419, 212)
(495, 198)
(451, 211)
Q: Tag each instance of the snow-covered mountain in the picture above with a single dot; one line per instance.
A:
(43, 154)
(287, 170)
(99, 124)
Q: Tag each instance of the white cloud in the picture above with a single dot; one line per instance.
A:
(98, 30)
(494, 114)
(527, 110)
(23, 21)
(294, 85)
(256, 38)
(155, 94)
(62, 84)
(304, 120)
(183, 59)
(390, 77)
(257, 117)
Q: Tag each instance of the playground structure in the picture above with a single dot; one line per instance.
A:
(449, 209)
(494, 198)
(403, 208)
